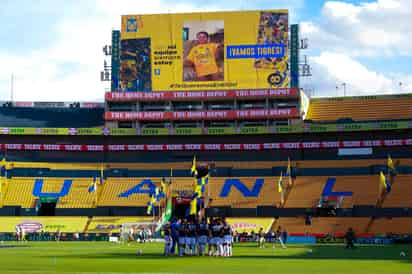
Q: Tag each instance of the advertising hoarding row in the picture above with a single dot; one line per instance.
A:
(208, 147)
(201, 95)
(304, 128)
(201, 115)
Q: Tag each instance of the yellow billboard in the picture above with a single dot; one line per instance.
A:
(248, 225)
(45, 224)
(113, 224)
(204, 51)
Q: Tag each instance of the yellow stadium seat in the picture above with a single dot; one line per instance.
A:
(322, 225)
(401, 193)
(20, 192)
(392, 225)
(359, 108)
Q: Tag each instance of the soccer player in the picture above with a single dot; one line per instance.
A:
(227, 239)
(203, 233)
(18, 233)
(203, 58)
(130, 236)
(350, 238)
(279, 237)
(174, 227)
(261, 238)
(217, 237)
(182, 237)
(191, 227)
(168, 241)
(215, 231)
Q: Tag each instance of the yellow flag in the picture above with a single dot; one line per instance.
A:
(198, 190)
(163, 184)
(194, 168)
(101, 174)
(385, 183)
(193, 207)
(382, 179)
(149, 209)
(280, 183)
(289, 172)
(390, 163)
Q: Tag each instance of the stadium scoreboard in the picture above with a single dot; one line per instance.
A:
(204, 51)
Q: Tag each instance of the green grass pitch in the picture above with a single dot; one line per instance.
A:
(112, 258)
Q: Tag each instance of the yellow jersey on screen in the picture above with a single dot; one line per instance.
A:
(203, 56)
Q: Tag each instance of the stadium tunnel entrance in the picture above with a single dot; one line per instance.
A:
(181, 201)
(181, 205)
(46, 206)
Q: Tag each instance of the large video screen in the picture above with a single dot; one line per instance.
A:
(204, 51)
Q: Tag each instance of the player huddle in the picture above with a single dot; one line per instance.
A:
(199, 238)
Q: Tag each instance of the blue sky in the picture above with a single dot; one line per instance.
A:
(54, 47)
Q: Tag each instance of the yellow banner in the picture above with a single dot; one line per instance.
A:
(89, 131)
(250, 224)
(45, 224)
(205, 51)
(113, 224)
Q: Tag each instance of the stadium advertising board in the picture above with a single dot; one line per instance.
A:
(154, 131)
(254, 130)
(250, 224)
(201, 115)
(204, 51)
(45, 224)
(200, 95)
(306, 127)
(209, 147)
(113, 224)
(188, 131)
(221, 130)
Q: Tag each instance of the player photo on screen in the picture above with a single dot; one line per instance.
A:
(203, 50)
(273, 29)
(135, 65)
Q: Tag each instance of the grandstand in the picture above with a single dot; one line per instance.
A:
(101, 163)
(362, 108)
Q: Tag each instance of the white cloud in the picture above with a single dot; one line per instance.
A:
(380, 28)
(68, 68)
(42, 74)
(345, 32)
(332, 70)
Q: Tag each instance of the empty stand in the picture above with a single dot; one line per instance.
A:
(401, 193)
(322, 225)
(365, 189)
(360, 108)
(268, 194)
(79, 196)
(392, 225)
(306, 192)
(115, 186)
(20, 192)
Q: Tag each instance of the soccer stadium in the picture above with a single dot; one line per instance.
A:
(207, 156)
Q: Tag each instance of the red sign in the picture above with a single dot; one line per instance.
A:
(23, 104)
(200, 95)
(91, 105)
(201, 115)
(209, 147)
